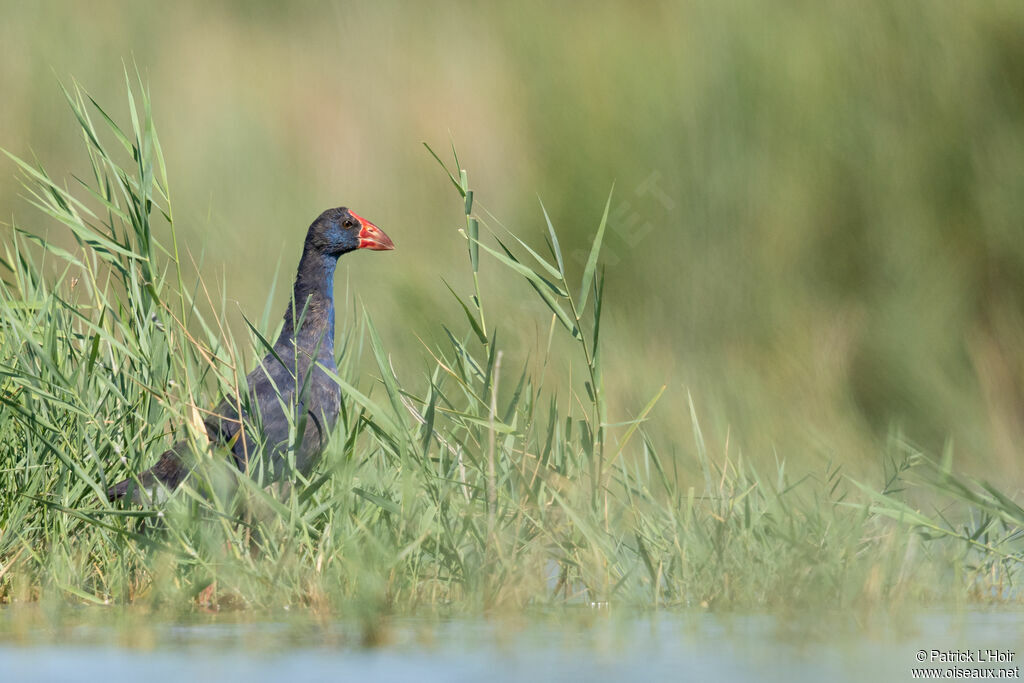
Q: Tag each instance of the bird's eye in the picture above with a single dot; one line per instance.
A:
(348, 224)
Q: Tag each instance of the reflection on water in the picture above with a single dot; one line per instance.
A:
(587, 646)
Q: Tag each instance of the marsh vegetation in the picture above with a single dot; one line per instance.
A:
(486, 478)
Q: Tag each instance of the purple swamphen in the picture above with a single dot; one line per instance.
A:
(289, 388)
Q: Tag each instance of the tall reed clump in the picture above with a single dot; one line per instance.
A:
(482, 483)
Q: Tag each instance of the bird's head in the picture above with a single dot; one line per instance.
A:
(339, 231)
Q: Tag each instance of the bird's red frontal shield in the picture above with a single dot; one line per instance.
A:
(370, 236)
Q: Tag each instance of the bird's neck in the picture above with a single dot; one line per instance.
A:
(312, 305)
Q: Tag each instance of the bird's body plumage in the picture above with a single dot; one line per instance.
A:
(290, 403)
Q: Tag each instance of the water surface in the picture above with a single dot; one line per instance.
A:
(575, 645)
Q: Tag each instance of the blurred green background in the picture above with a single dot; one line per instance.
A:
(818, 222)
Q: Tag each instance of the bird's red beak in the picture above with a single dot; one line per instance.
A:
(372, 237)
